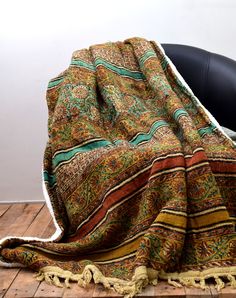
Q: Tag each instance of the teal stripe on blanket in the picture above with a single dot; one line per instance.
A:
(146, 56)
(147, 136)
(120, 70)
(178, 113)
(81, 63)
(206, 130)
(54, 83)
(51, 179)
(65, 156)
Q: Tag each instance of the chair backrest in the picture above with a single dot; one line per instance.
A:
(212, 78)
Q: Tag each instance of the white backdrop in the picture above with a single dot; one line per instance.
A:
(37, 39)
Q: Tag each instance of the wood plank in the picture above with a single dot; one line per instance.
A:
(192, 292)
(15, 222)
(9, 217)
(41, 222)
(50, 230)
(227, 292)
(46, 290)
(7, 275)
(149, 291)
(17, 219)
(24, 285)
(76, 291)
(163, 289)
(31, 219)
(4, 208)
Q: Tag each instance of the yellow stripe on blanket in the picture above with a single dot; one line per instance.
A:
(208, 219)
(172, 219)
(118, 252)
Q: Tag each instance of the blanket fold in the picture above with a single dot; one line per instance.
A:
(139, 177)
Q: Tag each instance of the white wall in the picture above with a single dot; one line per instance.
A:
(37, 39)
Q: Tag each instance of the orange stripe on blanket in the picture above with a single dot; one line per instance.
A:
(197, 157)
(113, 198)
(117, 196)
(223, 167)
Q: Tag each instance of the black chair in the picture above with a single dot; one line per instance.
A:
(212, 78)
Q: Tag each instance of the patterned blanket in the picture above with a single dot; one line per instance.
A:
(139, 177)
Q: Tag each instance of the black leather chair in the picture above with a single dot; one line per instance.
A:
(212, 78)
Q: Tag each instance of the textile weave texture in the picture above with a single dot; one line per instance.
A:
(140, 179)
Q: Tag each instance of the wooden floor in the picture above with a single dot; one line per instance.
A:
(35, 220)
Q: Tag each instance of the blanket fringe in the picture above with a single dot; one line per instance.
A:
(52, 275)
(141, 278)
(198, 279)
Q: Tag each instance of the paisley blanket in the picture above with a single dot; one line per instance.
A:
(139, 177)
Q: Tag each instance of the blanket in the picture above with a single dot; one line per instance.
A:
(139, 177)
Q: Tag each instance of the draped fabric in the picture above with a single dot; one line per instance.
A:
(138, 175)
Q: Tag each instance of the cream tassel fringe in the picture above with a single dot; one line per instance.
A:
(141, 278)
(197, 279)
